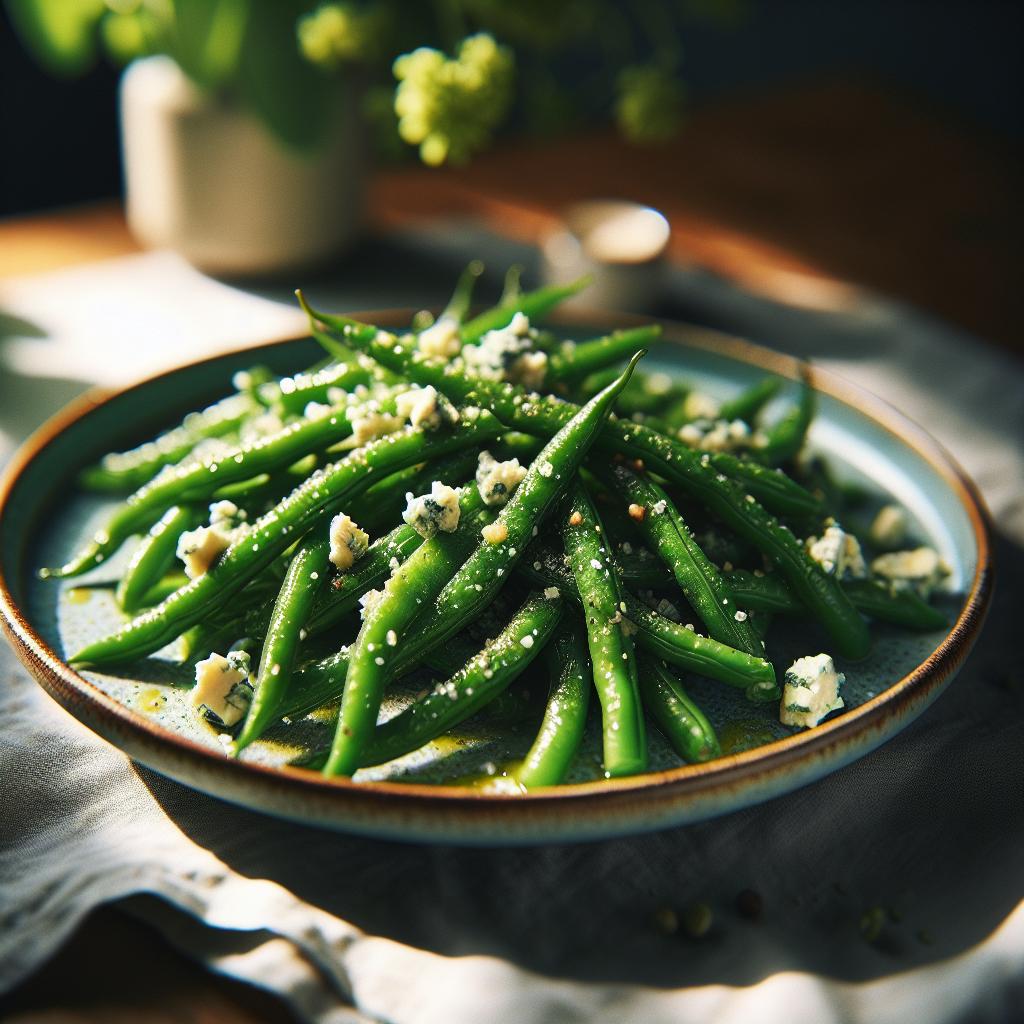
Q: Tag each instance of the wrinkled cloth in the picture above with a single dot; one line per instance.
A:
(927, 831)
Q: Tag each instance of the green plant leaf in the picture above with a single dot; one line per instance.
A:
(206, 38)
(276, 83)
(61, 34)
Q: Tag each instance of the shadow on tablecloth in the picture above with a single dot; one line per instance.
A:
(930, 828)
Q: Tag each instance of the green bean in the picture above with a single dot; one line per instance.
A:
(672, 460)
(640, 568)
(154, 556)
(163, 588)
(681, 721)
(306, 574)
(771, 487)
(642, 396)
(248, 612)
(293, 394)
(512, 288)
(565, 716)
(372, 569)
(197, 480)
(608, 637)
(473, 686)
(666, 639)
(588, 356)
(388, 551)
(786, 437)
(306, 507)
(748, 403)
(535, 305)
(125, 471)
(416, 582)
(906, 608)
(459, 304)
(662, 526)
(486, 571)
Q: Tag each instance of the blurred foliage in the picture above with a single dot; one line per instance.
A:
(440, 75)
(449, 107)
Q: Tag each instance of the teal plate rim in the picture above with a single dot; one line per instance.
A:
(575, 812)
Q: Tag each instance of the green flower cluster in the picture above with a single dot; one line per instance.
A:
(649, 105)
(334, 34)
(449, 107)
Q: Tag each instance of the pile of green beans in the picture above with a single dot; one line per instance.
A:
(593, 551)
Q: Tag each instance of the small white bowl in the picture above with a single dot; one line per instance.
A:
(619, 243)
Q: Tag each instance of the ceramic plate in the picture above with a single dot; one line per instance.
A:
(148, 716)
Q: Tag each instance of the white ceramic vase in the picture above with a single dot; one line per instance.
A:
(208, 180)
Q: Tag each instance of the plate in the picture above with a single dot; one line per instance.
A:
(148, 716)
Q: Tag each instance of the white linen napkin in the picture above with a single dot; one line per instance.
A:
(928, 829)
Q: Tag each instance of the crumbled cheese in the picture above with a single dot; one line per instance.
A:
(348, 542)
(208, 450)
(529, 370)
(369, 601)
(888, 529)
(811, 691)
(698, 405)
(368, 422)
(637, 512)
(316, 411)
(575, 519)
(497, 480)
(495, 533)
(552, 593)
(222, 692)
(421, 407)
(922, 568)
(505, 354)
(438, 510)
(658, 508)
(441, 339)
(718, 435)
(260, 426)
(838, 553)
(658, 384)
(545, 469)
(225, 512)
(200, 548)
(527, 641)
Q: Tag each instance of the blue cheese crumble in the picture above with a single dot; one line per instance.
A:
(507, 354)
(348, 542)
(441, 339)
(700, 406)
(419, 406)
(923, 569)
(811, 691)
(223, 692)
(710, 435)
(198, 549)
(838, 553)
(497, 480)
(888, 529)
(433, 512)
(370, 422)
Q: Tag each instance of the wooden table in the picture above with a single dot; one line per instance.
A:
(805, 196)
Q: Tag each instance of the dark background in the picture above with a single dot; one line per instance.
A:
(959, 59)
